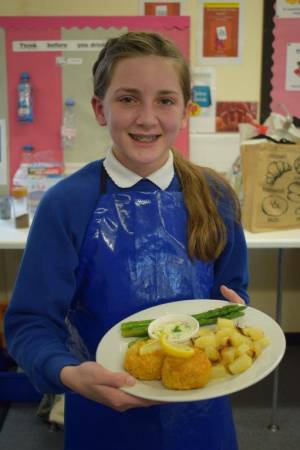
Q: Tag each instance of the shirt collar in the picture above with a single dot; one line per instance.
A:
(125, 178)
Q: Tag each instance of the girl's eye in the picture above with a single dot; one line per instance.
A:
(127, 99)
(167, 101)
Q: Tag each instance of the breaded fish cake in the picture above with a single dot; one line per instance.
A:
(144, 367)
(186, 373)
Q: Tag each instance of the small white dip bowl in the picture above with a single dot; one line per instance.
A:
(178, 327)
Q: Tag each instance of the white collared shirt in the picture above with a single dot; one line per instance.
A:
(125, 178)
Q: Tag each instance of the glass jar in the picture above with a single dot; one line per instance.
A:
(20, 206)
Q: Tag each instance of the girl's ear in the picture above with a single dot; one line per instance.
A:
(97, 105)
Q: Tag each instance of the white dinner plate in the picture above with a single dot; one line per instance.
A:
(112, 348)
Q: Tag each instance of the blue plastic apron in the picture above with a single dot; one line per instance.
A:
(134, 257)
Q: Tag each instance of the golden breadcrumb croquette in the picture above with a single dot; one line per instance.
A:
(186, 373)
(143, 367)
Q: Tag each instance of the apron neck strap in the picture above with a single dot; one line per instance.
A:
(103, 178)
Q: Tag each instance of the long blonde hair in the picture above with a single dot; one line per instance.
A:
(202, 188)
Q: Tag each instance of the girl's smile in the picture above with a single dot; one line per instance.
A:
(144, 138)
(144, 110)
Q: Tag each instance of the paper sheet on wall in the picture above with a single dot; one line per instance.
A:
(292, 79)
(288, 8)
(203, 108)
(220, 32)
(229, 115)
(165, 8)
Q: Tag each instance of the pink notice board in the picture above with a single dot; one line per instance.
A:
(286, 32)
(44, 132)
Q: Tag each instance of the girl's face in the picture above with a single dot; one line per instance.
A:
(144, 110)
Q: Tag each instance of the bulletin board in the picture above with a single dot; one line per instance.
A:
(280, 80)
(58, 53)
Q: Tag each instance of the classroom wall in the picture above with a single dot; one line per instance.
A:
(234, 82)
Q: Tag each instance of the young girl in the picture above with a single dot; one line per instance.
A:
(142, 227)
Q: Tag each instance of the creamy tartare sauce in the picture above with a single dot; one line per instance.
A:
(174, 330)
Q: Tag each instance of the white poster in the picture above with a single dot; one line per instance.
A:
(3, 155)
(292, 80)
(203, 108)
(288, 8)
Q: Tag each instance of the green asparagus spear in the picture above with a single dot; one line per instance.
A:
(140, 328)
(135, 332)
(218, 312)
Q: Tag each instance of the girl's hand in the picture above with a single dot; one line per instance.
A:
(231, 295)
(94, 382)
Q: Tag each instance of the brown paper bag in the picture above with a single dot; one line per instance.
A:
(271, 185)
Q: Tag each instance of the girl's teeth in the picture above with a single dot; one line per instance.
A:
(143, 138)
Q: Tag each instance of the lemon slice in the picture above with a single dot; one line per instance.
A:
(150, 346)
(179, 350)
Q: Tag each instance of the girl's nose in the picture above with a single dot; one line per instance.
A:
(146, 116)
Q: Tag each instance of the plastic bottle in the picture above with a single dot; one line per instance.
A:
(25, 112)
(68, 129)
(27, 154)
(20, 206)
(21, 175)
(5, 207)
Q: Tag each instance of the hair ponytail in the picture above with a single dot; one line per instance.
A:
(202, 188)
